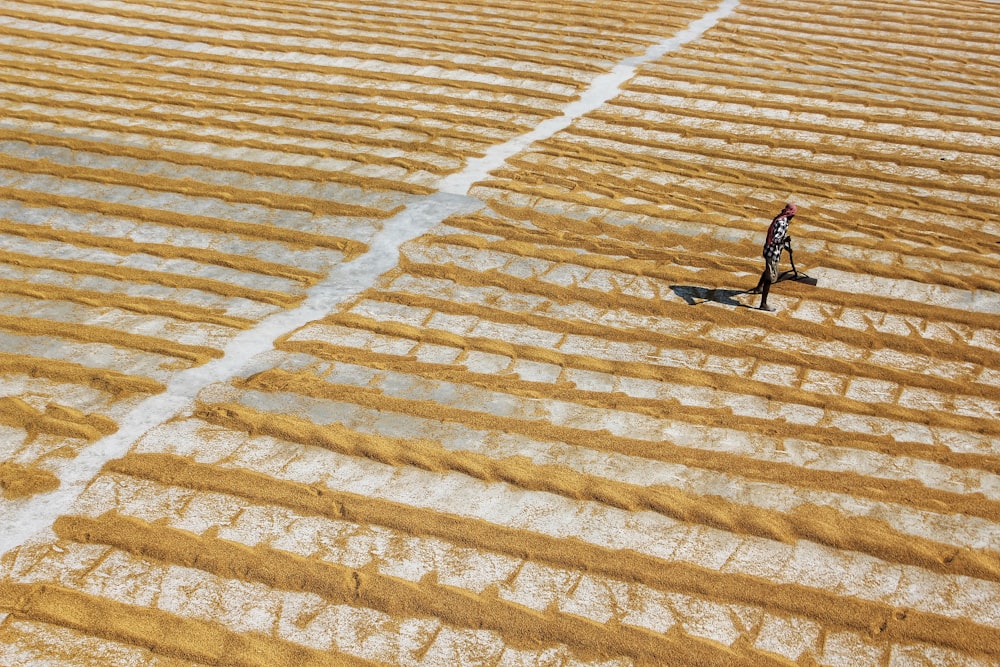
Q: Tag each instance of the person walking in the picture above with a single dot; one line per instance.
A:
(777, 240)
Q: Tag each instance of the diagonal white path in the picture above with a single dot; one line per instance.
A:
(20, 520)
(601, 89)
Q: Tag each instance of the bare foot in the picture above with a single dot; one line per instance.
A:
(766, 307)
(755, 290)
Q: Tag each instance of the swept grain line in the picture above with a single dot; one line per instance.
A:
(56, 420)
(714, 68)
(261, 46)
(905, 492)
(145, 94)
(88, 333)
(508, 16)
(148, 89)
(339, 584)
(292, 237)
(18, 481)
(934, 73)
(125, 246)
(879, 622)
(393, 35)
(929, 22)
(956, 351)
(908, 33)
(118, 385)
(739, 384)
(193, 188)
(692, 128)
(710, 417)
(207, 126)
(770, 34)
(135, 304)
(760, 125)
(132, 274)
(262, 63)
(731, 94)
(725, 258)
(194, 78)
(930, 13)
(692, 205)
(567, 191)
(664, 245)
(161, 632)
(728, 164)
(264, 47)
(556, 479)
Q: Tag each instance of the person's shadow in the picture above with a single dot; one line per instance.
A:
(695, 295)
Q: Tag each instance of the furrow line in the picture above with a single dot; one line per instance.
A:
(208, 128)
(166, 91)
(340, 584)
(904, 492)
(56, 420)
(161, 632)
(714, 68)
(132, 274)
(722, 258)
(293, 237)
(143, 92)
(190, 187)
(678, 409)
(346, 30)
(185, 34)
(118, 385)
(191, 78)
(145, 306)
(125, 246)
(620, 300)
(826, 180)
(198, 354)
(880, 622)
(143, 51)
(696, 247)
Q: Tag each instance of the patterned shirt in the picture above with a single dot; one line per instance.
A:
(776, 237)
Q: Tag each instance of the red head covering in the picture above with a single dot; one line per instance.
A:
(790, 209)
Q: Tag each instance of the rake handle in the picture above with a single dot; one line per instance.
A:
(791, 257)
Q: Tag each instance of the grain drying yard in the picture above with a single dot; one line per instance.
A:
(396, 333)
